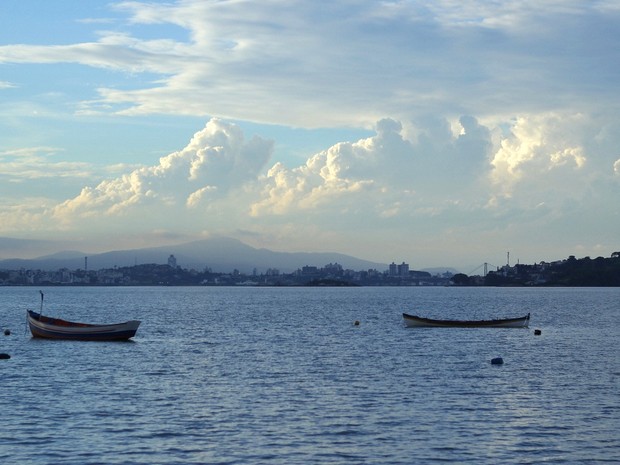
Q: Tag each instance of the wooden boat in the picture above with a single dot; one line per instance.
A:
(55, 328)
(416, 321)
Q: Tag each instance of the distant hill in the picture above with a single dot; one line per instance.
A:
(27, 248)
(220, 254)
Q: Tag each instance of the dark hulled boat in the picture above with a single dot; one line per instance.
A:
(417, 321)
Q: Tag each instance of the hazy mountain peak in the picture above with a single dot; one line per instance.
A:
(220, 254)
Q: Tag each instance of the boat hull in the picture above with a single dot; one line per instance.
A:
(55, 328)
(414, 321)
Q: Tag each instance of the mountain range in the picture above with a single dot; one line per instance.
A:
(220, 254)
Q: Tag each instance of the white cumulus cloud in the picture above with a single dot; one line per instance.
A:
(216, 161)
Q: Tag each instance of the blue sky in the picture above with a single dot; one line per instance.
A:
(437, 133)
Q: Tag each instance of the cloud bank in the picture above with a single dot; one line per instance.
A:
(467, 189)
(494, 127)
(322, 64)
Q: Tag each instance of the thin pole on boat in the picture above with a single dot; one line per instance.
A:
(41, 311)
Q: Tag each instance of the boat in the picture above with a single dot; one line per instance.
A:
(417, 321)
(55, 328)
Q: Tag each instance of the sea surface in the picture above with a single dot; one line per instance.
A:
(230, 375)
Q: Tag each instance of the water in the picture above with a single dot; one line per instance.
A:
(283, 376)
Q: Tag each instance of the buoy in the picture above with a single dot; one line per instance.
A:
(537, 332)
(7, 332)
(497, 361)
(4, 356)
(357, 322)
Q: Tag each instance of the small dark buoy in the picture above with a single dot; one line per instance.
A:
(537, 332)
(357, 322)
(7, 332)
(4, 356)
(497, 361)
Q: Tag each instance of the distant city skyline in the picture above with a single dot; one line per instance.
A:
(436, 134)
(568, 272)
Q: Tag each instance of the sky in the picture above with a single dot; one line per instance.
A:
(436, 133)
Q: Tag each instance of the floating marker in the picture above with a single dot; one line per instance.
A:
(4, 356)
(7, 332)
(497, 361)
(537, 332)
(356, 323)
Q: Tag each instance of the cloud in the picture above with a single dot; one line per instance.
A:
(469, 173)
(38, 162)
(217, 161)
(348, 63)
(339, 176)
(385, 179)
(550, 149)
(490, 121)
(425, 185)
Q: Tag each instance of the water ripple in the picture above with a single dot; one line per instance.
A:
(282, 376)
